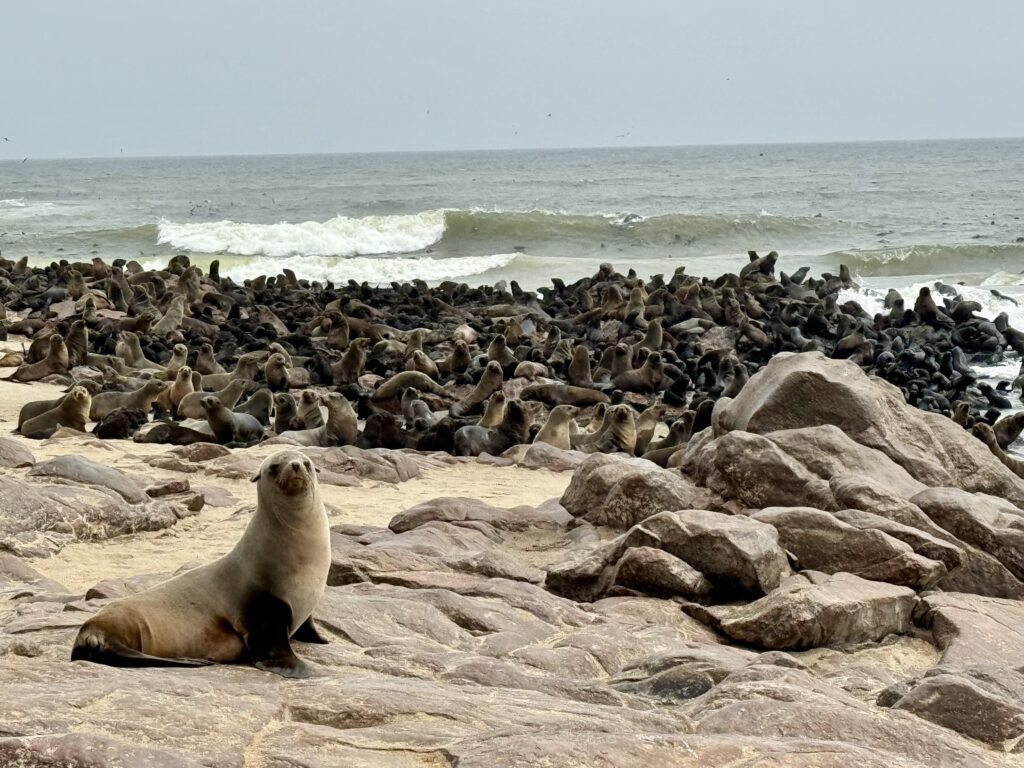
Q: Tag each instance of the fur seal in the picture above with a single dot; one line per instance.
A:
(350, 367)
(1008, 429)
(170, 398)
(494, 413)
(618, 433)
(645, 379)
(246, 368)
(231, 428)
(190, 406)
(418, 361)
(247, 605)
(563, 394)
(308, 406)
(987, 435)
(120, 424)
(72, 412)
(56, 361)
(286, 413)
(276, 371)
(258, 406)
(556, 430)
(206, 363)
(35, 408)
(341, 428)
(393, 387)
(489, 383)
(141, 399)
(513, 430)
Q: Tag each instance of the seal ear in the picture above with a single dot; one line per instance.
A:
(255, 477)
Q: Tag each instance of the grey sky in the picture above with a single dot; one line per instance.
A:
(232, 77)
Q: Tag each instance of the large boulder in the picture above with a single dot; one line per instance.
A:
(821, 542)
(989, 523)
(983, 703)
(807, 389)
(620, 492)
(792, 467)
(973, 630)
(736, 554)
(812, 609)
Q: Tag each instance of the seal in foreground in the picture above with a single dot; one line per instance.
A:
(247, 605)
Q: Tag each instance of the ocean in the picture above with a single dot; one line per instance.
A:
(897, 213)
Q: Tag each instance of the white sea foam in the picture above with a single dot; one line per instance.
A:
(13, 202)
(372, 270)
(340, 236)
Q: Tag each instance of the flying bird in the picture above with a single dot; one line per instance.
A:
(4, 138)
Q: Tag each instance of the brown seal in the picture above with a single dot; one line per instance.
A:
(229, 428)
(308, 407)
(246, 368)
(247, 605)
(513, 430)
(489, 383)
(258, 406)
(494, 413)
(276, 371)
(140, 399)
(618, 433)
(36, 407)
(646, 378)
(556, 430)
(418, 361)
(286, 413)
(56, 361)
(563, 394)
(171, 397)
(191, 407)
(73, 413)
(206, 363)
(341, 428)
(350, 367)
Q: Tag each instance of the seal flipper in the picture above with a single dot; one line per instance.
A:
(308, 633)
(267, 619)
(116, 654)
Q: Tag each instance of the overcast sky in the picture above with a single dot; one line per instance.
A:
(194, 77)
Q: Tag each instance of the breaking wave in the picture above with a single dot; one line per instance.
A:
(933, 259)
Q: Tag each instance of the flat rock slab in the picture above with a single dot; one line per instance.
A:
(78, 469)
(811, 610)
(973, 630)
(454, 509)
(14, 455)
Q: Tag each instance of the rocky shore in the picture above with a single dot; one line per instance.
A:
(822, 569)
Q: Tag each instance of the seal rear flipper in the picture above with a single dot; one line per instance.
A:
(309, 633)
(115, 654)
(267, 619)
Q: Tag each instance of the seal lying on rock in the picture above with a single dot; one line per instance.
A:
(246, 606)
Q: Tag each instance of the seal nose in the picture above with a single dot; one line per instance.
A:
(295, 466)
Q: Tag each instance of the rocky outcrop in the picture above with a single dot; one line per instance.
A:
(620, 492)
(813, 609)
(796, 391)
(821, 542)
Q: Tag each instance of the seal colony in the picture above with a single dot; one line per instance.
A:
(609, 363)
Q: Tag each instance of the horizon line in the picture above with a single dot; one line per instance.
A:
(17, 161)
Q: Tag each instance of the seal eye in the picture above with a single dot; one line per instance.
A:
(275, 468)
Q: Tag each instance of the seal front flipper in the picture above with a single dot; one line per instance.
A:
(267, 619)
(308, 633)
